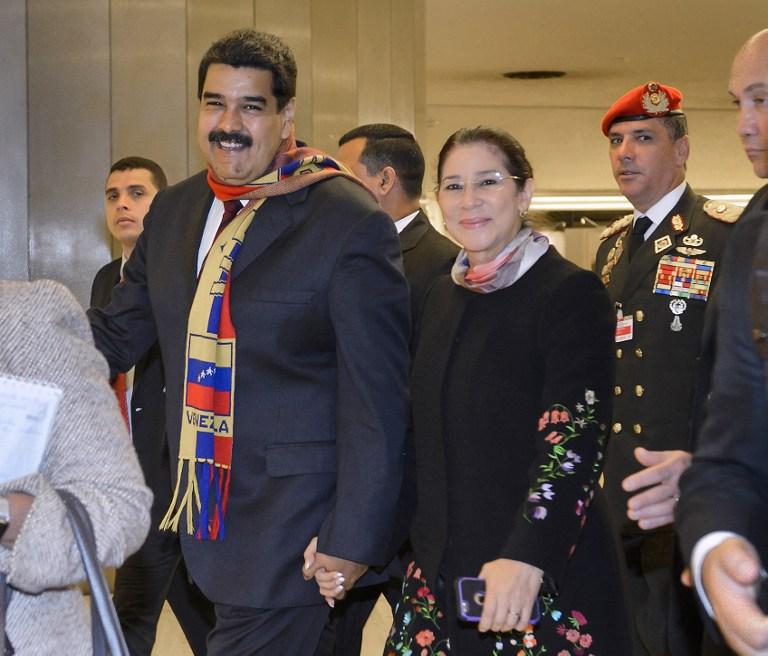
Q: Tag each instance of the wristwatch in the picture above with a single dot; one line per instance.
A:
(5, 514)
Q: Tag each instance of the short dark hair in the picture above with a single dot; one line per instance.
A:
(676, 125)
(133, 162)
(390, 145)
(511, 151)
(252, 49)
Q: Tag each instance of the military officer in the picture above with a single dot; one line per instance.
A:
(660, 265)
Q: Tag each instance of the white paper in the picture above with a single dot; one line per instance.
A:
(27, 411)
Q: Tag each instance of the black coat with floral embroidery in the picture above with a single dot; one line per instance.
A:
(511, 401)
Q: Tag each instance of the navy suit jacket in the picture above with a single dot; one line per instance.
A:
(726, 487)
(320, 307)
(147, 405)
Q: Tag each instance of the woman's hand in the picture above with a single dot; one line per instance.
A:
(511, 588)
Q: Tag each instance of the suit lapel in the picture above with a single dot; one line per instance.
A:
(272, 219)
(647, 258)
(189, 243)
(413, 232)
(452, 302)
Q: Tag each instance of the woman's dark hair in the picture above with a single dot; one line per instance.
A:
(510, 149)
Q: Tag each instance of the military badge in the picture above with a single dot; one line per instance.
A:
(678, 223)
(684, 277)
(655, 100)
(692, 242)
(677, 306)
(662, 243)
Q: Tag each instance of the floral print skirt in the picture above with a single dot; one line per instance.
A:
(424, 625)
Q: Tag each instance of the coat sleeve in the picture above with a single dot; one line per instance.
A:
(369, 308)
(726, 488)
(89, 452)
(576, 342)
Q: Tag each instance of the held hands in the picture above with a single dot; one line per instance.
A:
(730, 575)
(511, 588)
(655, 506)
(334, 576)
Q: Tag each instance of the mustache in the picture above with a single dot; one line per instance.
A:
(217, 136)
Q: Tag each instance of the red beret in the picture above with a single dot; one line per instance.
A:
(652, 100)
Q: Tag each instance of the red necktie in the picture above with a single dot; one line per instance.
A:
(120, 389)
(231, 208)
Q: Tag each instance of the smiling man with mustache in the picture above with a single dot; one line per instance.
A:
(274, 285)
(660, 265)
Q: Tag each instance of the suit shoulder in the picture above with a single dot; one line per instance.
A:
(439, 243)
(110, 271)
(617, 226)
(721, 211)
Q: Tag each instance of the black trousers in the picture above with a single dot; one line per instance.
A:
(665, 616)
(242, 631)
(156, 572)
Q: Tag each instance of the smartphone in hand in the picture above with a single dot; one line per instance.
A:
(470, 595)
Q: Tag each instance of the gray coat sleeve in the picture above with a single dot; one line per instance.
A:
(47, 339)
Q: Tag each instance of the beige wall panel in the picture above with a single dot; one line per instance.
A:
(207, 20)
(334, 70)
(407, 63)
(375, 60)
(149, 83)
(14, 261)
(69, 139)
(292, 23)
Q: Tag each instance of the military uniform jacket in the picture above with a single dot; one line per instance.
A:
(659, 360)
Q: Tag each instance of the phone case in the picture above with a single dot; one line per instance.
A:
(470, 595)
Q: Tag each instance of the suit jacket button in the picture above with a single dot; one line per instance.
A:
(619, 353)
(617, 428)
(637, 428)
(639, 352)
(617, 390)
(639, 390)
(639, 315)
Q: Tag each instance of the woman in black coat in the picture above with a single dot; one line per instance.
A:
(511, 398)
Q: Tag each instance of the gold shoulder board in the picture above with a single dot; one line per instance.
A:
(725, 212)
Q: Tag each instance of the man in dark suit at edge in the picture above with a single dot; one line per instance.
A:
(724, 494)
(647, 260)
(389, 161)
(275, 286)
(156, 572)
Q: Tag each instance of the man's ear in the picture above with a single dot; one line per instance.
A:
(288, 114)
(387, 179)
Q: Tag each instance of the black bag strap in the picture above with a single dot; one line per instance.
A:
(5, 599)
(107, 635)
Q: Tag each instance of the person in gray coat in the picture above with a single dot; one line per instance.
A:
(46, 341)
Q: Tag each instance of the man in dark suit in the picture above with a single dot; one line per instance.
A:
(660, 265)
(390, 163)
(721, 514)
(274, 285)
(156, 572)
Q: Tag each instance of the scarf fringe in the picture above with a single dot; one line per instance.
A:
(206, 493)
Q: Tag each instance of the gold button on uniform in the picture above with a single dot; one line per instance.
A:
(639, 390)
(637, 428)
(617, 427)
(639, 352)
(619, 353)
(617, 390)
(639, 315)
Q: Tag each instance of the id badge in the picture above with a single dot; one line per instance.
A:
(624, 328)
